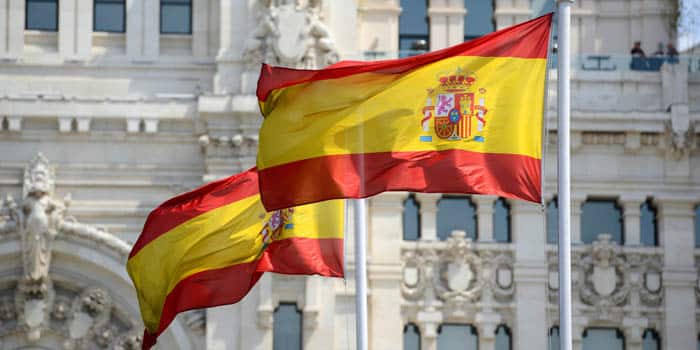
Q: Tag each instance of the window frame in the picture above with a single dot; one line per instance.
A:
(175, 3)
(94, 16)
(26, 15)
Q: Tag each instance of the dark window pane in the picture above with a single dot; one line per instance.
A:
(456, 213)
(411, 337)
(414, 32)
(503, 341)
(501, 221)
(554, 338)
(649, 235)
(287, 328)
(175, 17)
(457, 336)
(650, 340)
(552, 222)
(479, 18)
(411, 219)
(601, 216)
(603, 339)
(697, 228)
(42, 15)
(109, 16)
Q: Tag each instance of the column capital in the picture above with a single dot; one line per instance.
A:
(388, 199)
(429, 200)
(676, 206)
(522, 207)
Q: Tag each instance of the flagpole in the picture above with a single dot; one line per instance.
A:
(564, 180)
(361, 273)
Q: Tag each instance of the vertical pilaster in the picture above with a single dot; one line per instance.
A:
(484, 214)
(679, 273)
(84, 25)
(66, 28)
(576, 211)
(319, 309)
(384, 270)
(200, 32)
(151, 29)
(134, 28)
(631, 206)
(379, 25)
(446, 23)
(12, 24)
(428, 215)
(530, 276)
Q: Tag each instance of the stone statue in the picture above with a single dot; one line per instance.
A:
(39, 219)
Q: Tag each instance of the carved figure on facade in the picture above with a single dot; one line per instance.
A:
(604, 284)
(680, 137)
(414, 278)
(457, 281)
(292, 34)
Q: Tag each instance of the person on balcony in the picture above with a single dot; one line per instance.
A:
(671, 53)
(639, 61)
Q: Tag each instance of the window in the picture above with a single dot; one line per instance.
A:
(650, 340)
(411, 337)
(501, 221)
(286, 334)
(648, 226)
(697, 228)
(411, 219)
(457, 336)
(479, 20)
(552, 221)
(456, 213)
(176, 16)
(42, 15)
(503, 341)
(603, 339)
(601, 216)
(109, 16)
(554, 338)
(414, 30)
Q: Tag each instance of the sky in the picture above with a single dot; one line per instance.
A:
(689, 24)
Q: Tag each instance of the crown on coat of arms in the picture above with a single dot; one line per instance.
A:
(459, 80)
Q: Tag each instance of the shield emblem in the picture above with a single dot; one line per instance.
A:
(652, 281)
(459, 276)
(411, 276)
(291, 42)
(604, 280)
(504, 277)
(443, 128)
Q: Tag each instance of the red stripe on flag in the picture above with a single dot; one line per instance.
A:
(526, 40)
(449, 171)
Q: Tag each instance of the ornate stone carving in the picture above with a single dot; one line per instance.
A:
(292, 34)
(680, 136)
(415, 279)
(604, 270)
(196, 320)
(457, 279)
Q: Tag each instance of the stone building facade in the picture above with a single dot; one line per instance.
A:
(102, 121)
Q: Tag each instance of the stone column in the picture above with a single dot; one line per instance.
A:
(530, 276)
(384, 270)
(510, 12)
(484, 217)
(234, 26)
(428, 215)
(379, 25)
(12, 25)
(142, 29)
(631, 205)
(200, 28)
(151, 29)
(679, 273)
(84, 26)
(66, 27)
(486, 323)
(319, 311)
(428, 322)
(576, 211)
(446, 23)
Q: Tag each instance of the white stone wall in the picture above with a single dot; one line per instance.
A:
(132, 119)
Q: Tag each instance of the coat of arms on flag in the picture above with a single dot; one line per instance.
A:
(458, 109)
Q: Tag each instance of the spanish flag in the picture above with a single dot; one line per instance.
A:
(466, 119)
(208, 247)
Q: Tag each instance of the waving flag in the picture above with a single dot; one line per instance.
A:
(209, 247)
(466, 119)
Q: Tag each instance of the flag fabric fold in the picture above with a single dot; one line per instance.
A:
(465, 119)
(208, 247)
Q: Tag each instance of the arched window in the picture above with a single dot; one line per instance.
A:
(650, 340)
(501, 221)
(503, 340)
(554, 338)
(479, 18)
(411, 337)
(601, 216)
(697, 229)
(411, 219)
(603, 339)
(552, 221)
(647, 224)
(456, 213)
(457, 336)
(286, 333)
(414, 28)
